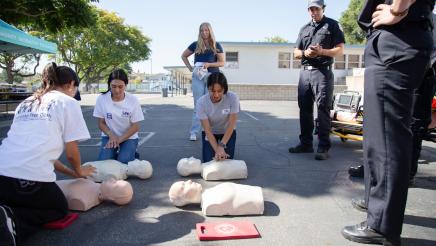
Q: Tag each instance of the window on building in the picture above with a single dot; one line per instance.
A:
(340, 62)
(296, 62)
(232, 60)
(284, 60)
(353, 61)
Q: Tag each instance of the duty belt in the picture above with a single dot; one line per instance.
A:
(317, 68)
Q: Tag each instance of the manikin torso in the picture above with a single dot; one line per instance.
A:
(84, 194)
(224, 199)
(232, 199)
(81, 194)
(213, 170)
(222, 170)
(106, 169)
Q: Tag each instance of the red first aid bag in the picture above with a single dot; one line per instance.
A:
(226, 230)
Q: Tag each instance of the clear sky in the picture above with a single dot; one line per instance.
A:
(173, 25)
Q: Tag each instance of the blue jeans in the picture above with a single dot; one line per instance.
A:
(198, 90)
(209, 153)
(125, 153)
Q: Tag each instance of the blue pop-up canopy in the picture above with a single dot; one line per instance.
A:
(13, 40)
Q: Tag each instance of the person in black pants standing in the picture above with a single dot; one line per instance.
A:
(318, 42)
(397, 54)
(421, 118)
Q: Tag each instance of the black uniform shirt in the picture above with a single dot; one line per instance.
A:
(420, 11)
(326, 33)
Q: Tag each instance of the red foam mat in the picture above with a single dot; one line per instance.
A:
(62, 223)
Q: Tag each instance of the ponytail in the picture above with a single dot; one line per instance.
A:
(52, 76)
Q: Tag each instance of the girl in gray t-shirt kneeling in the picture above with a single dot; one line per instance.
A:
(218, 113)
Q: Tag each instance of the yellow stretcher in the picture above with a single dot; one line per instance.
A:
(347, 130)
(347, 116)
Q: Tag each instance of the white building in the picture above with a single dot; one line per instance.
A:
(260, 70)
(274, 63)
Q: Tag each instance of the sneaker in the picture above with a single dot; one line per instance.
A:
(193, 137)
(301, 149)
(322, 154)
(7, 231)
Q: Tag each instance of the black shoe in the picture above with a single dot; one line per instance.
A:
(356, 171)
(322, 154)
(412, 182)
(301, 149)
(359, 204)
(7, 231)
(362, 233)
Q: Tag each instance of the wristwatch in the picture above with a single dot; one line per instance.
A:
(222, 144)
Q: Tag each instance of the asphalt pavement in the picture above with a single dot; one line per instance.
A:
(307, 202)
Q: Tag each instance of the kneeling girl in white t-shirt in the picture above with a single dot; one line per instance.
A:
(44, 124)
(119, 114)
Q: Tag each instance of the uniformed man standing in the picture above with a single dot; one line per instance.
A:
(397, 54)
(318, 42)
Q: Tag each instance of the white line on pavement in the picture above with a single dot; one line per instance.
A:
(251, 116)
(146, 138)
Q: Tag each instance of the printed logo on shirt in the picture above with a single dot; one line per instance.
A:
(226, 111)
(125, 114)
(29, 110)
(108, 116)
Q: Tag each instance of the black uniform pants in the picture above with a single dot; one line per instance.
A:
(315, 86)
(395, 65)
(32, 203)
(421, 117)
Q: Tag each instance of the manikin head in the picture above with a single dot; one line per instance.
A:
(139, 168)
(119, 192)
(188, 166)
(185, 192)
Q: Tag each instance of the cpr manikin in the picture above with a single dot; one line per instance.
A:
(119, 171)
(223, 199)
(213, 170)
(84, 194)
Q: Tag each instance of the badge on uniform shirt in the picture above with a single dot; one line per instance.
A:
(108, 116)
(226, 111)
(125, 114)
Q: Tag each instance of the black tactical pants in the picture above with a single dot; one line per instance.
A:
(421, 117)
(395, 61)
(315, 85)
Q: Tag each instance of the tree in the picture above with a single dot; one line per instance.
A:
(97, 50)
(353, 33)
(18, 66)
(50, 15)
(275, 39)
(39, 18)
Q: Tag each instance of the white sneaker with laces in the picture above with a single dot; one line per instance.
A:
(7, 231)
(193, 137)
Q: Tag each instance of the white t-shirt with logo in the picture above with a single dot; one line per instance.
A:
(218, 113)
(38, 134)
(118, 115)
